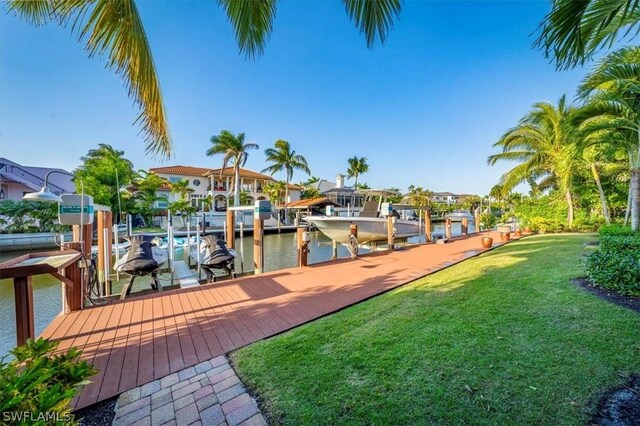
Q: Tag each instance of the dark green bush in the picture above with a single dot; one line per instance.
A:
(616, 264)
(40, 383)
(616, 229)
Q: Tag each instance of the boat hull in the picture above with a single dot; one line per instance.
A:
(369, 229)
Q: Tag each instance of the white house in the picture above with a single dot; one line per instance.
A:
(218, 183)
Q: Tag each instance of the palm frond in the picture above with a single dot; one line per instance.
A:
(574, 30)
(252, 21)
(35, 12)
(374, 19)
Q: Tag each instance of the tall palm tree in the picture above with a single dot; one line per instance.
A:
(612, 91)
(114, 29)
(357, 166)
(284, 158)
(575, 30)
(235, 150)
(543, 144)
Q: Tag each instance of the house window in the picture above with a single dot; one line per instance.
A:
(196, 182)
(174, 179)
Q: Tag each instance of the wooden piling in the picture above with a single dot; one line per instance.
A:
(24, 309)
(447, 228)
(390, 232)
(465, 226)
(303, 247)
(258, 246)
(334, 250)
(104, 222)
(476, 220)
(231, 230)
(353, 230)
(72, 297)
(427, 225)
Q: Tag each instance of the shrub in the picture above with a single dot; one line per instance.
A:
(616, 229)
(616, 264)
(488, 220)
(545, 225)
(40, 383)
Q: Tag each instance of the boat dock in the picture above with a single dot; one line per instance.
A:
(138, 340)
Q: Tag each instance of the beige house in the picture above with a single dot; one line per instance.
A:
(218, 183)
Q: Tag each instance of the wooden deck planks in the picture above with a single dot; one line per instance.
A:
(141, 339)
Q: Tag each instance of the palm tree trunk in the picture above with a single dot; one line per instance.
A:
(603, 199)
(286, 199)
(627, 211)
(635, 199)
(570, 211)
(236, 189)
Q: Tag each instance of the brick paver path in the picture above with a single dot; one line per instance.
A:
(208, 394)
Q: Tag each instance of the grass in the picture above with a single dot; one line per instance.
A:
(504, 338)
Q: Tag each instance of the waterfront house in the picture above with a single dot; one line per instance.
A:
(338, 193)
(17, 180)
(217, 183)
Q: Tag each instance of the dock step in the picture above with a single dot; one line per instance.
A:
(185, 275)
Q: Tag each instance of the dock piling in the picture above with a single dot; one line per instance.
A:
(427, 225)
(231, 231)
(258, 246)
(465, 226)
(303, 246)
(447, 228)
(390, 231)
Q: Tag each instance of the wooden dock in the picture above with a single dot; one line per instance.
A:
(141, 339)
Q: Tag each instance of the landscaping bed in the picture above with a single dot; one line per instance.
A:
(504, 338)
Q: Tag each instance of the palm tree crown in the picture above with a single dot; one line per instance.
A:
(612, 90)
(284, 158)
(357, 166)
(543, 144)
(235, 150)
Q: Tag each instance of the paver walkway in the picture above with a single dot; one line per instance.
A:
(208, 393)
(139, 340)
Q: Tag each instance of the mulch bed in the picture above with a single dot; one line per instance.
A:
(628, 302)
(620, 406)
(100, 414)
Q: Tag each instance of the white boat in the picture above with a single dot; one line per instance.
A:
(370, 229)
(458, 215)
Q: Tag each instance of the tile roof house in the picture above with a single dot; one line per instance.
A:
(218, 183)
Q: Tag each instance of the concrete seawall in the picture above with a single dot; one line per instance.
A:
(36, 241)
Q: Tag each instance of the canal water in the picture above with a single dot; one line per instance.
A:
(279, 253)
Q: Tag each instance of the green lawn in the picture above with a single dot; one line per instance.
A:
(504, 338)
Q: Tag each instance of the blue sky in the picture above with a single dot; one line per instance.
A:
(425, 108)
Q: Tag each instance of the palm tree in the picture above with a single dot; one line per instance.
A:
(181, 188)
(357, 166)
(114, 29)
(612, 92)
(543, 144)
(575, 30)
(284, 158)
(234, 150)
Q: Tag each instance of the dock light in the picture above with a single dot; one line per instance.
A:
(44, 195)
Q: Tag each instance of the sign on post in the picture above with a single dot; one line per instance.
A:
(262, 210)
(76, 210)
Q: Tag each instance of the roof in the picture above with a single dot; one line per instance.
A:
(312, 202)
(202, 171)
(181, 170)
(444, 194)
(228, 171)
